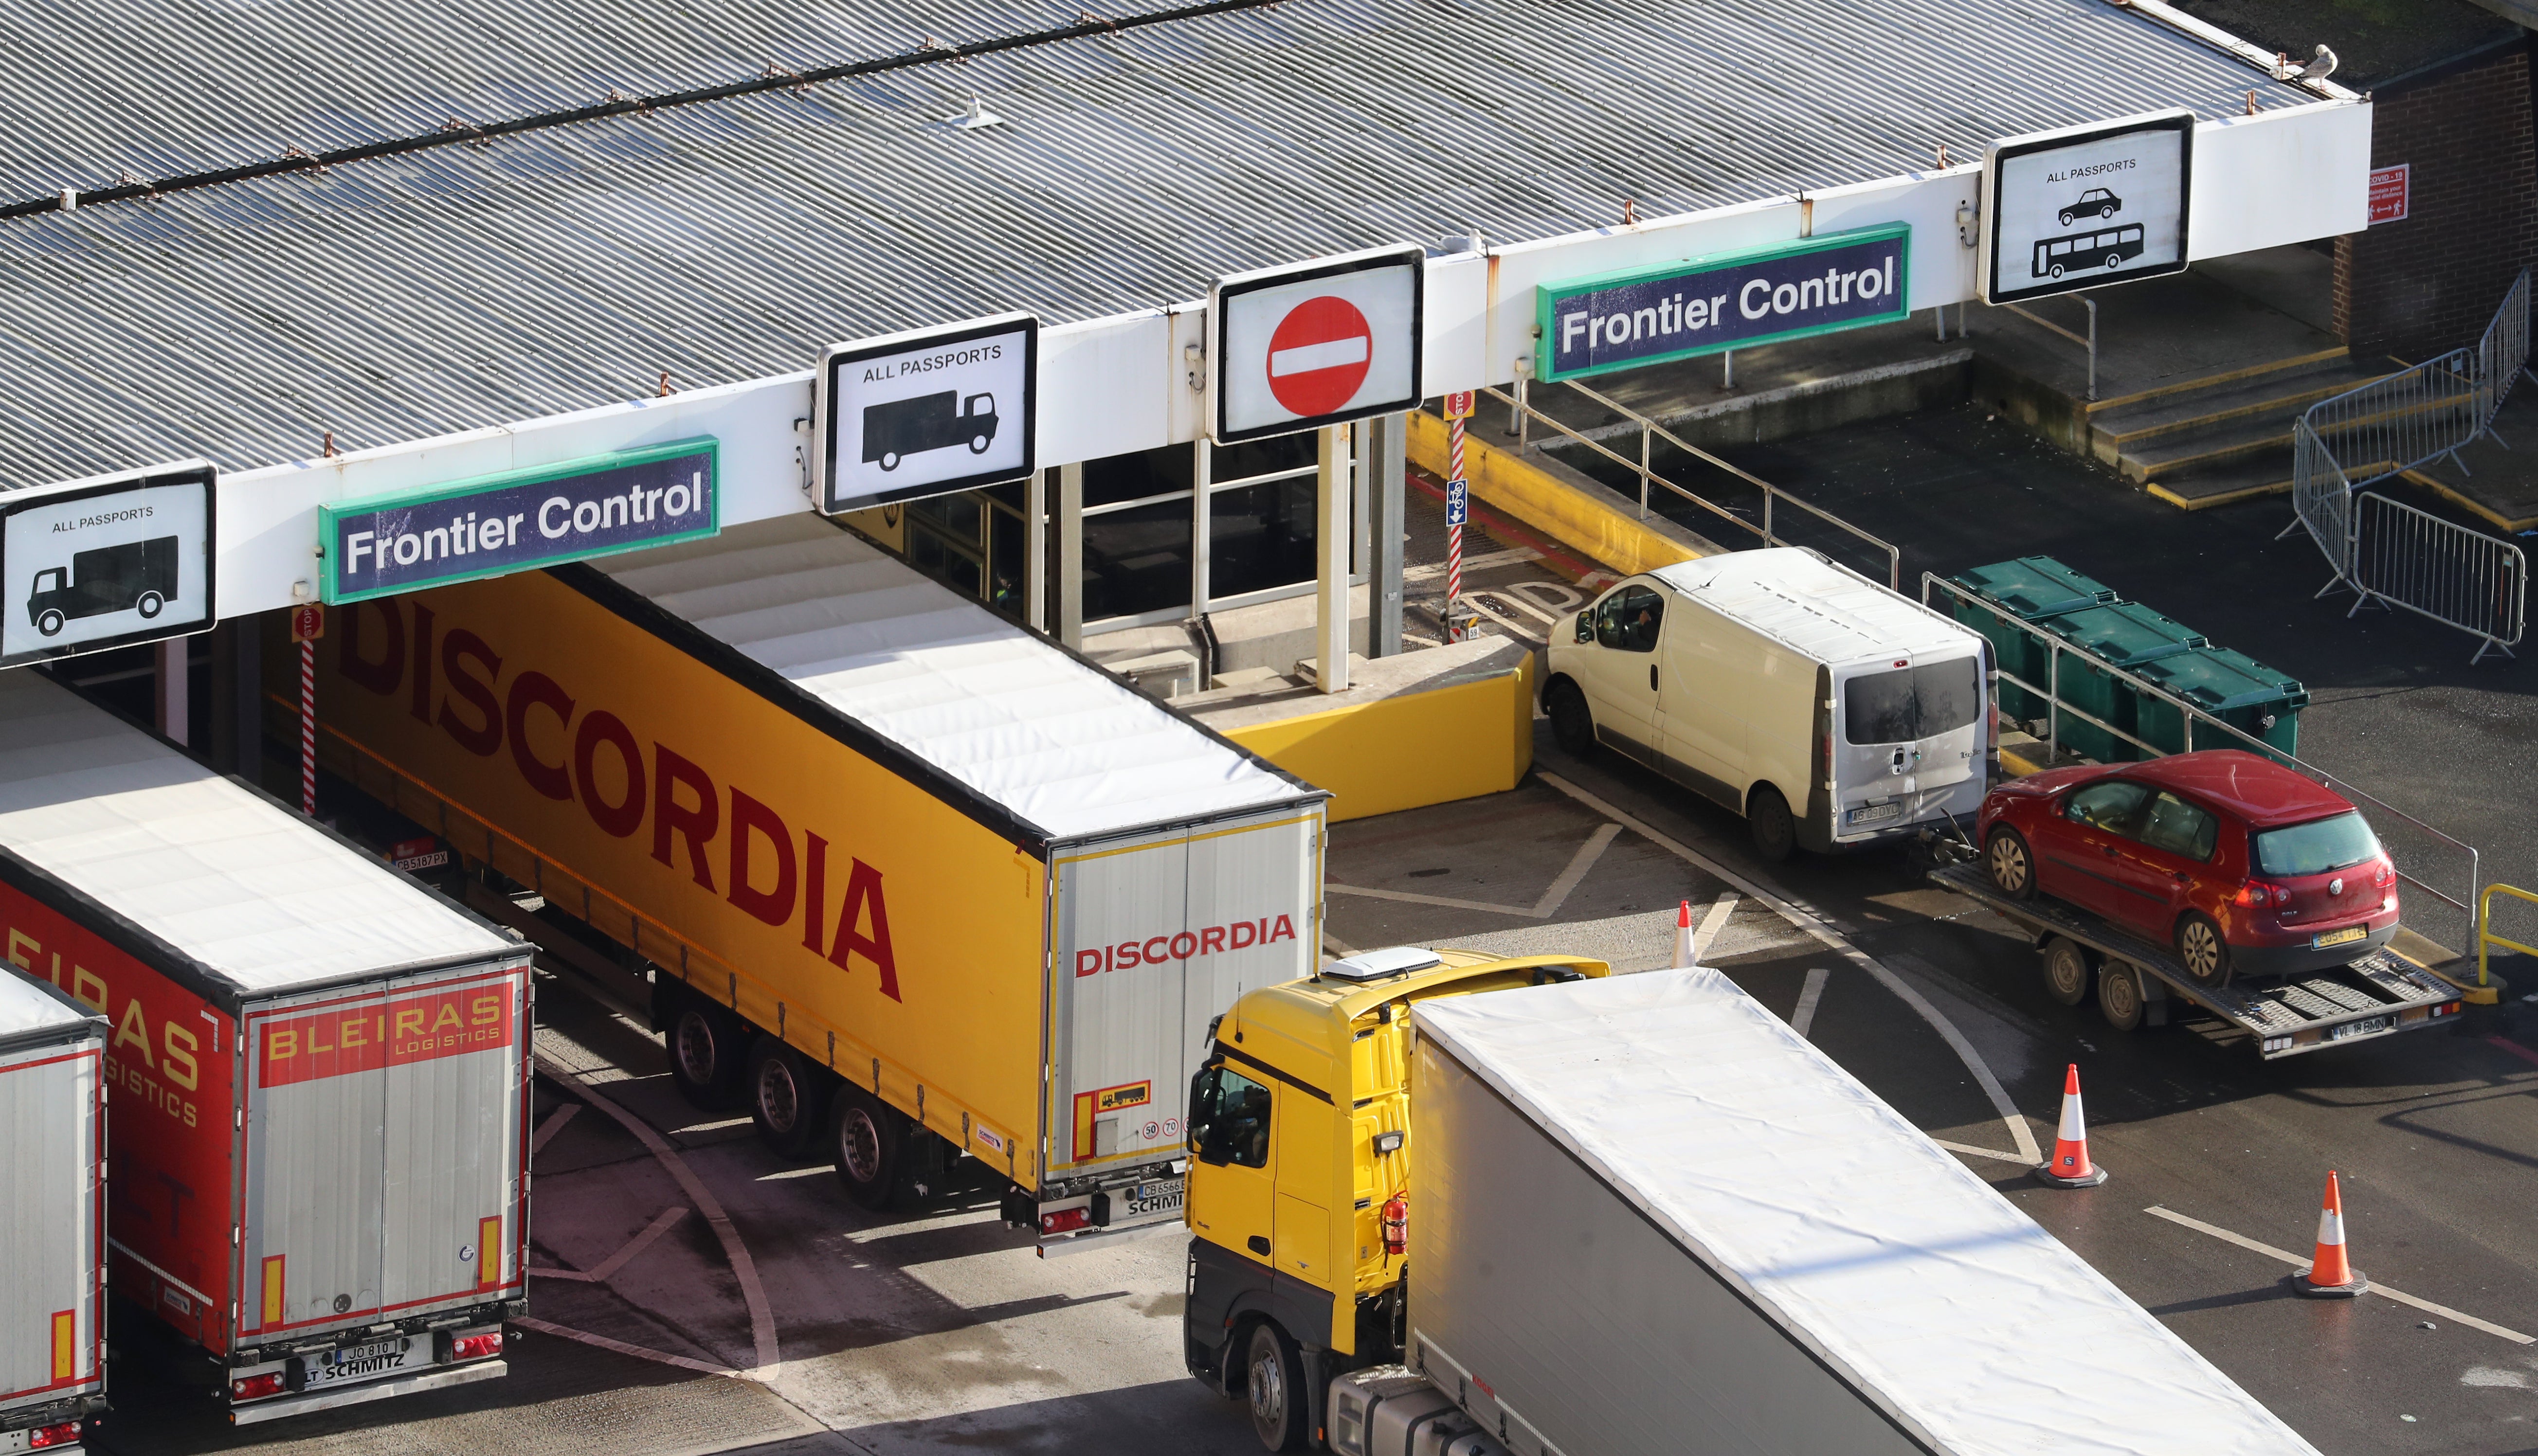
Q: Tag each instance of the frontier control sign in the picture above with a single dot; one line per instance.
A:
(542, 516)
(1734, 301)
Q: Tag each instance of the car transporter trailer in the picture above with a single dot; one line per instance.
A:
(2371, 996)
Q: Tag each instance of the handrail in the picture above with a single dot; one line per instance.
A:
(2191, 715)
(1521, 406)
(2485, 935)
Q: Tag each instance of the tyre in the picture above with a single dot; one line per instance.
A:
(1767, 816)
(979, 444)
(2066, 972)
(705, 1046)
(151, 602)
(1572, 726)
(2114, 261)
(2203, 950)
(889, 460)
(2107, 210)
(2065, 215)
(2057, 273)
(2119, 995)
(2010, 864)
(1273, 1386)
(866, 1138)
(50, 622)
(786, 1099)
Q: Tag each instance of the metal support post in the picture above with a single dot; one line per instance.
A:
(1726, 370)
(174, 712)
(2093, 346)
(1390, 486)
(1070, 554)
(309, 729)
(1036, 552)
(1455, 531)
(1202, 527)
(1331, 517)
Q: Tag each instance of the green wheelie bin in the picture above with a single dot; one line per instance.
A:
(2126, 635)
(2029, 590)
(2236, 689)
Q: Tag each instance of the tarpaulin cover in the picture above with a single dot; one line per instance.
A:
(241, 885)
(1911, 1278)
(1060, 744)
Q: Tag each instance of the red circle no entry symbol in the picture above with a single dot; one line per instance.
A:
(1318, 355)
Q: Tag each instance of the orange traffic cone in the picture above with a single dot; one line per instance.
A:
(2071, 1168)
(1683, 957)
(2330, 1275)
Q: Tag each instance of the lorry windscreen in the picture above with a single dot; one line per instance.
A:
(1911, 704)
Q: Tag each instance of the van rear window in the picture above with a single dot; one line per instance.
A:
(1911, 704)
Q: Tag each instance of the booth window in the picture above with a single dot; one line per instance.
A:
(972, 543)
(1260, 518)
(1137, 537)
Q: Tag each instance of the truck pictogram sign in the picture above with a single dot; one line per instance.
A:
(106, 563)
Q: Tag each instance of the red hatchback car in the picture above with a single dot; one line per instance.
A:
(2239, 863)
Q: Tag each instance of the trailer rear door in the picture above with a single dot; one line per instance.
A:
(1155, 936)
(52, 1233)
(384, 1149)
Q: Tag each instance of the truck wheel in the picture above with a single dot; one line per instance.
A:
(50, 622)
(867, 1137)
(2206, 954)
(889, 460)
(704, 1055)
(2119, 995)
(2012, 866)
(978, 444)
(1775, 834)
(2066, 972)
(785, 1099)
(1573, 725)
(1273, 1385)
(151, 602)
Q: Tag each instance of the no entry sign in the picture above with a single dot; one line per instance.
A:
(1295, 348)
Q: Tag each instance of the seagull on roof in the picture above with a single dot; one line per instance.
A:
(2318, 69)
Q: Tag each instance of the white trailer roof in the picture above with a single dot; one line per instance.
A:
(1060, 744)
(249, 890)
(25, 1007)
(1823, 613)
(1845, 1225)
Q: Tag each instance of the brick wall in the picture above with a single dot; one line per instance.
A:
(2429, 283)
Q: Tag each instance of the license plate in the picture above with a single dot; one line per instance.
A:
(359, 1363)
(1163, 1197)
(2358, 1028)
(2344, 937)
(1869, 814)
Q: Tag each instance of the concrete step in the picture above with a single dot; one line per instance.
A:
(2221, 483)
(2281, 393)
(2226, 442)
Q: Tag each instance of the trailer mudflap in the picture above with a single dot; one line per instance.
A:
(2375, 995)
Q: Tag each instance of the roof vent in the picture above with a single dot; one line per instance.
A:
(974, 116)
(1365, 965)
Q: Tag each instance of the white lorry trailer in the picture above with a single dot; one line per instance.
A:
(52, 1217)
(1645, 1217)
(319, 1068)
(1831, 713)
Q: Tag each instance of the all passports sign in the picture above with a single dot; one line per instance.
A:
(519, 519)
(928, 413)
(2071, 210)
(107, 563)
(1733, 301)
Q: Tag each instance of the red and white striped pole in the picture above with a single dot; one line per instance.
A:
(309, 728)
(307, 625)
(1458, 408)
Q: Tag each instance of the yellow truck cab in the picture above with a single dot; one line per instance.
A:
(1299, 1145)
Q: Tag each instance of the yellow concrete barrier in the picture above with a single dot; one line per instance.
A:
(1535, 498)
(1410, 750)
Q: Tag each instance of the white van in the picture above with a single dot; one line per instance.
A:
(1826, 709)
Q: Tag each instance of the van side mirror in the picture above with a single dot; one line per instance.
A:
(1586, 626)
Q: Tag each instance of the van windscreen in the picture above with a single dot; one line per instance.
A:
(1911, 704)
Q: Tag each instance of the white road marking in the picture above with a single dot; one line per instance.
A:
(1902, 989)
(1971, 1150)
(1330, 353)
(2377, 1287)
(1517, 629)
(1558, 598)
(1542, 909)
(1705, 934)
(1813, 992)
(599, 1273)
(1436, 571)
(585, 1337)
(553, 1125)
(744, 1270)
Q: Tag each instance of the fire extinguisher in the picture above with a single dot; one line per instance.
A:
(1396, 1223)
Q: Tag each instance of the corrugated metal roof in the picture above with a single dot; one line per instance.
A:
(562, 268)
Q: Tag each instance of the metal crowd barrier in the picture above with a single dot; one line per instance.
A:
(2440, 569)
(2213, 731)
(1522, 414)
